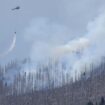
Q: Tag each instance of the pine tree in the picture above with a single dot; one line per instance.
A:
(102, 102)
(89, 103)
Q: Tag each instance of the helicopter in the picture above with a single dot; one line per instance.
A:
(16, 8)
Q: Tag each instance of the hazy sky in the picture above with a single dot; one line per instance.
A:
(73, 14)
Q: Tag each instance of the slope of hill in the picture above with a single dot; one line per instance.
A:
(90, 87)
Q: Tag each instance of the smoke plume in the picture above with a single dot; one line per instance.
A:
(54, 41)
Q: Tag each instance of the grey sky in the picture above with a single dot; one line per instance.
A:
(74, 14)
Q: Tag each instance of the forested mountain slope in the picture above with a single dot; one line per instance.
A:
(90, 87)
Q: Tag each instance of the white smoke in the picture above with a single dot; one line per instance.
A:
(74, 46)
(66, 57)
(55, 41)
(44, 35)
(96, 37)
